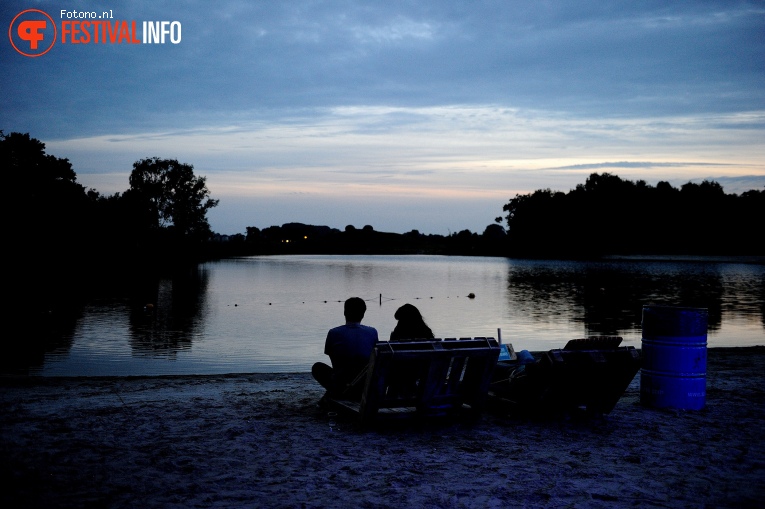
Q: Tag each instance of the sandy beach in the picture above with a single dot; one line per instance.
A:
(255, 440)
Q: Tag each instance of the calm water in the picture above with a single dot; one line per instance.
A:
(271, 314)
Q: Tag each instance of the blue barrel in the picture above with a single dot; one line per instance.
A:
(674, 371)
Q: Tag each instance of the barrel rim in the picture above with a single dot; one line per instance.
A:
(681, 341)
(679, 308)
(674, 374)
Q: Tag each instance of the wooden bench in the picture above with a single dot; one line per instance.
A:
(587, 374)
(424, 379)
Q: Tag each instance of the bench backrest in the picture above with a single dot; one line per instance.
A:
(429, 378)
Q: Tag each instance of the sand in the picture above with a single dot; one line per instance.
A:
(254, 440)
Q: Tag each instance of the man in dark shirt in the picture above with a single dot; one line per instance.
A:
(348, 347)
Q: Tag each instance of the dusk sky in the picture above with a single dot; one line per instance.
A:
(425, 115)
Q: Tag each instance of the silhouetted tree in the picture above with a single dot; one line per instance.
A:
(45, 219)
(171, 198)
(45, 208)
(609, 215)
(253, 234)
(530, 214)
(494, 231)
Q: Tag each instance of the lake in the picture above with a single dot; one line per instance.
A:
(271, 313)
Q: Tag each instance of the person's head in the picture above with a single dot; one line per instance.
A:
(354, 310)
(408, 313)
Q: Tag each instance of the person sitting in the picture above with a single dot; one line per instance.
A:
(410, 326)
(348, 347)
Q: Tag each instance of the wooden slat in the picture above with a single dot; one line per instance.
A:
(426, 378)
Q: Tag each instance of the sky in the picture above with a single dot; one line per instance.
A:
(402, 115)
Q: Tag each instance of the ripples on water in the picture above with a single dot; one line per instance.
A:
(271, 314)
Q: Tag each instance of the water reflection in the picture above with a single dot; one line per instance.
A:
(608, 297)
(271, 314)
(166, 313)
(51, 334)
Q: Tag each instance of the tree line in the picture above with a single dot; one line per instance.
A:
(606, 215)
(610, 216)
(65, 241)
(52, 218)
(161, 220)
(299, 238)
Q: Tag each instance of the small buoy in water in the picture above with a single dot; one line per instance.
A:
(471, 296)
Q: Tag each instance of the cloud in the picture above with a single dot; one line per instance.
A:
(635, 164)
(736, 185)
(452, 103)
(398, 31)
(584, 59)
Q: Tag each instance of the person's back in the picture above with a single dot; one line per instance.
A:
(349, 347)
(410, 327)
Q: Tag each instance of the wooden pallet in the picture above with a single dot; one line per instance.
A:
(571, 379)
(425, 379)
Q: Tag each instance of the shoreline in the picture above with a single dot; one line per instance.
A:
(261, 440)
(37, 379)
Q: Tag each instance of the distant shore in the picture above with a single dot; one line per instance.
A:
(260, 440)
(689, 258)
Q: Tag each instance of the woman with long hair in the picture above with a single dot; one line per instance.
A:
(411, 325)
